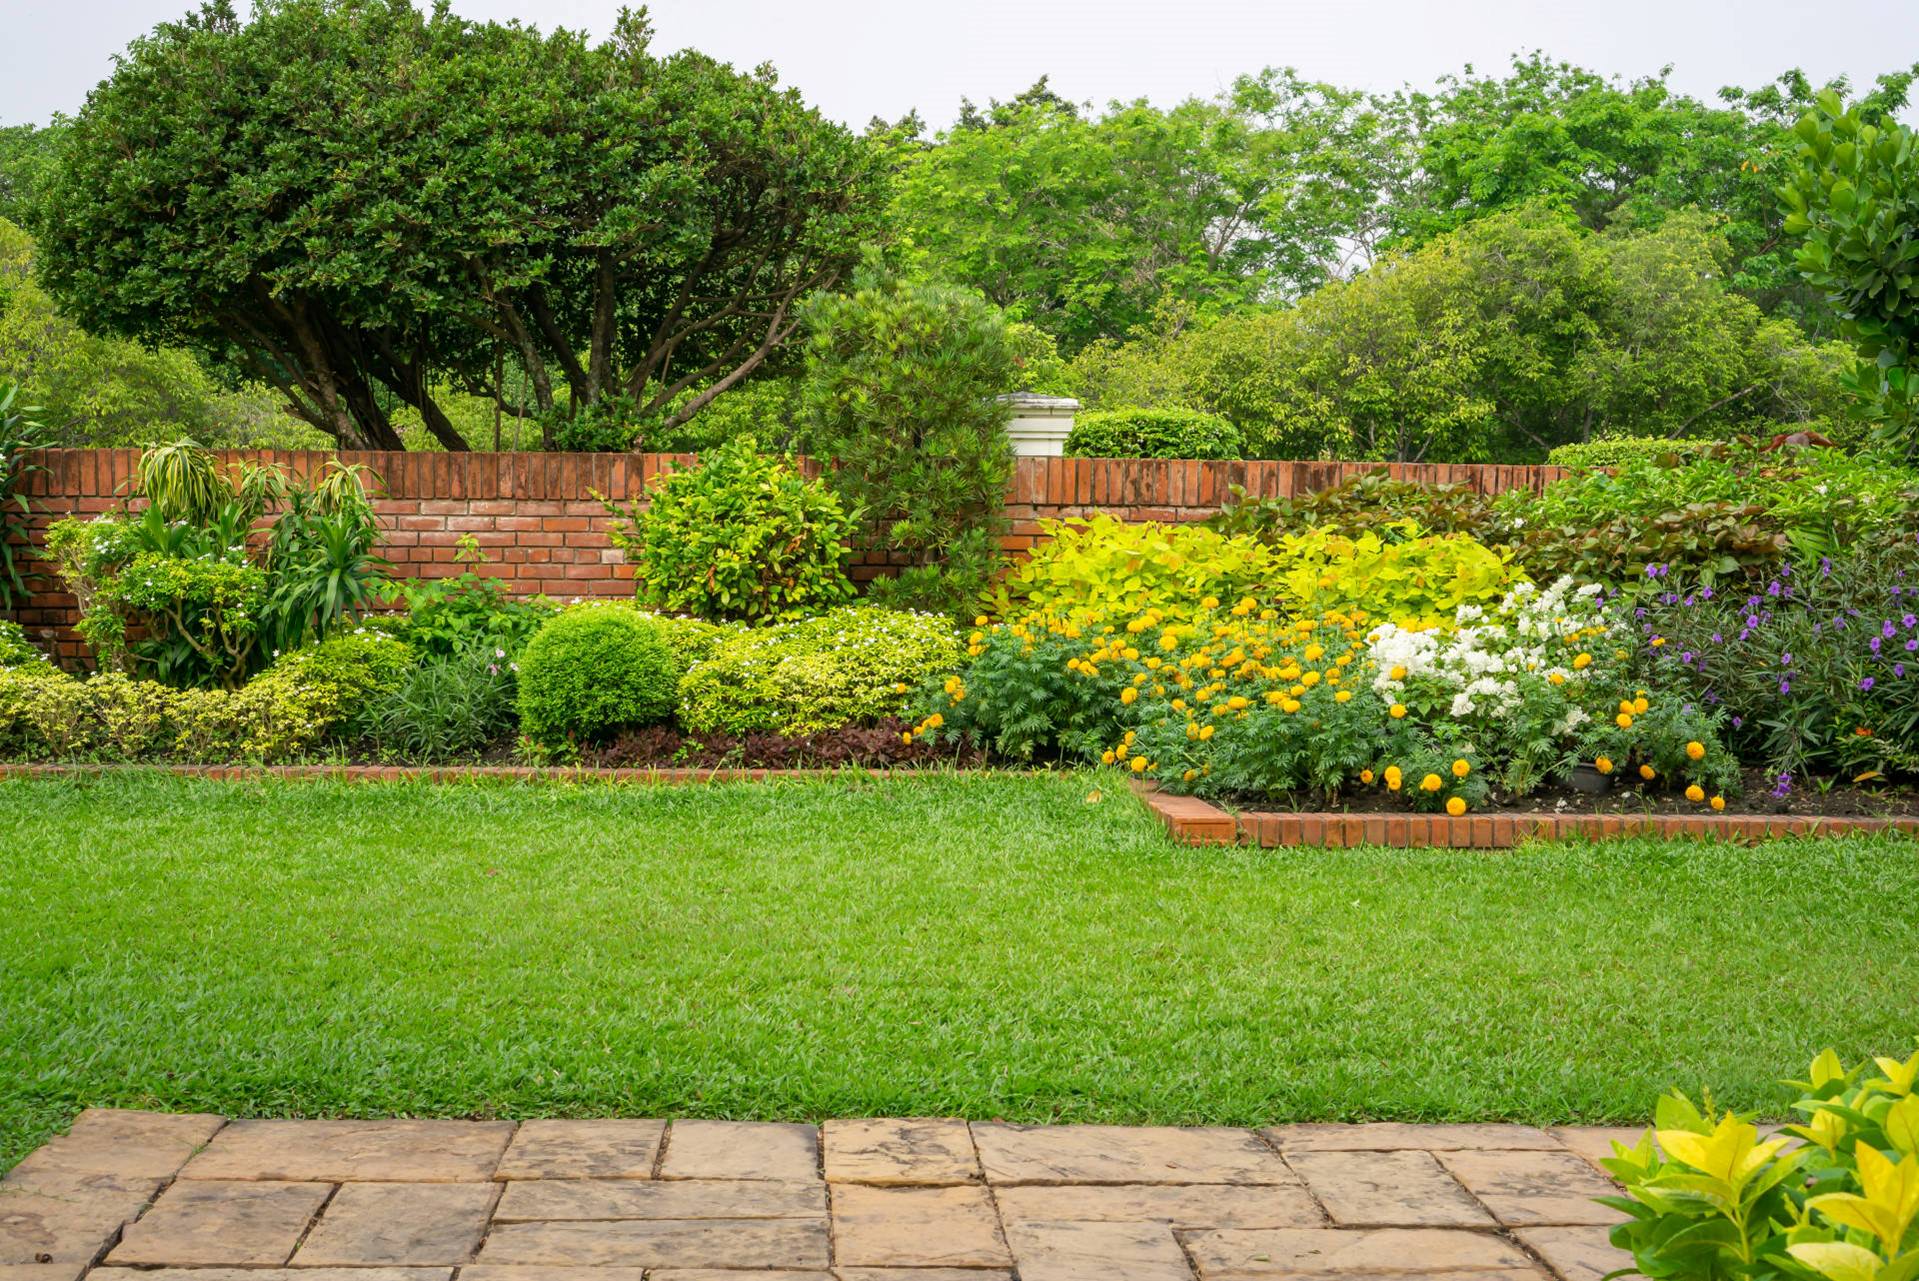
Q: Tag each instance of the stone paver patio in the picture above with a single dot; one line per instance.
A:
(138, 1196)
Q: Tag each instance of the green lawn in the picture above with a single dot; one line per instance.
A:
(991, 946)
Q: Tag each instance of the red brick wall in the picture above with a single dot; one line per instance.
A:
(543, 531)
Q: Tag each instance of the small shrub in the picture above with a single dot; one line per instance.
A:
(1153, 433)
(591, 671)
(468, 613)
(1103, 565)
(1399, 573)
(15, 649)
(1371, 502)
(852, 666)
(1834, 1197)
(740, 536)
(1623, 449)
(445, 709)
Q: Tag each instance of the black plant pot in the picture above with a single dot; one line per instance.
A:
(1587, 778)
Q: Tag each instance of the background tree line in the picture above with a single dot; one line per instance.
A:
(346, 220)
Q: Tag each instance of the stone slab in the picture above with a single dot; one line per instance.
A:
(727, 1274)
(1179, 1205)
(563, 1149)
(1097, 1252)
(950, 1227)
(275, 1274)
(1398, 1189)
(1393, 1136)
(585, 1199)
(908, 1152)
(744, 1244)
(1594, 1142)
(1013, 1154)
(49, 1217)
(741, 1150)
(222, 1223)
(1320, 1253)
(41, 1271)
(540, 1272)
(1534, 1189)
(400, 1151)
(1575, 1254)
(125, 1143)
(400, 1224)
(905, 1274)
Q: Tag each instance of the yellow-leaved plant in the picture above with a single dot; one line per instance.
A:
(1832, 1198)
(1407, 576)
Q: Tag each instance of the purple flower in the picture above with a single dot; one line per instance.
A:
(1910, 620)
(1785, 687)
(1912, 645)
(1752, 620)
(1866, 683)
(1783, 788)
(1887, 630)
(1873, 644)
(1899, 670)
(1772, 588)
(1825, 566)
(1785, 659)
(1737, 721)
(1705, 593)
(1717, 639)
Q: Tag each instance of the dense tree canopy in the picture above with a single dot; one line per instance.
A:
(359, 202)
(1513, 334)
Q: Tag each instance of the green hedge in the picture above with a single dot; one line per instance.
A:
(1153, 433)
(1623, 449)
(591, 671)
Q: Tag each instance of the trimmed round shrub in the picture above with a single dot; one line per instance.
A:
(851, 666)
(741, 536)
(1623, 449)
(1153, 433)
(593, 670)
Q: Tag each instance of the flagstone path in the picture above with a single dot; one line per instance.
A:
(140, 1196)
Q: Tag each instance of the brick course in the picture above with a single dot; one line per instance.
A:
(544, 531)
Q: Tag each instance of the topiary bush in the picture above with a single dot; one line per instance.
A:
(1153, 433)
(850, 666)
(1622, 449)
(740, 536)
(593, 670)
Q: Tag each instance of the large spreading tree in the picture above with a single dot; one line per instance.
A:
(362, 205)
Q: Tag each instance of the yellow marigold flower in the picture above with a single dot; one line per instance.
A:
(1648, 773)
(1657, 641)
(1309, 679)
(1398, 673)
(1603, 765)
(1209, 602)
(1393, 777)
(899, 687)
(1072, 664)
(1139, 678)
(1236, 702)
(1344, 696)
(980, 621)
(1189, 775)
(935, 721)
(1275, 697)
(1130, 736)
(1695, 793)
(1619, 654)
(906, 736)
(1139, 765)
(952, 683)
(1205, 732)
(1456, 806)
(1192, 729)
(1461, 768)
(1365, 776)
(1153, 664)
(1430, 783)
(1398, 711)
(1168, 641)
(1623, 720)
(1106, 757)
(1555, 678)
(1179, 704)
(1625, 706)
(1313, 652)
(1582, 661)
(1695, 750)
(1640, 705)
(1718, 802)
(1129, 695)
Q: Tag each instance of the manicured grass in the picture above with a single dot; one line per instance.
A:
(986, 946)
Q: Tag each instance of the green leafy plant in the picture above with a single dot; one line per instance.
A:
(739, 536)
(1835, 1198)
(1371, 502)
(855, 665)
(15, 649)
(1854, 201)
(900, 392)
(19, 436)
(1400, 574)
(1152, 433)
(590, 671)
(1622, 449)
(447, 708)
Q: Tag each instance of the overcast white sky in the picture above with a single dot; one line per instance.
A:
(860, 58)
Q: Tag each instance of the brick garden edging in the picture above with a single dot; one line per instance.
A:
(1195, 822)
(535, 517)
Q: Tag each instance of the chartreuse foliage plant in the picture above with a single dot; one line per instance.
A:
(591, 671)
(741, 535)
(1400, 574)
(1243, 700)
(1621, 449)
(1834, 1198)
(1101, 564)
(15, 649)
(853, 665)
(291, 711)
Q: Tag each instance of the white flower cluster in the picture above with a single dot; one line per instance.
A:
(1484, 656)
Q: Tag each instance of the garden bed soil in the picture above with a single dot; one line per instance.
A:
(868, 746)
(1754, 798)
